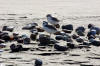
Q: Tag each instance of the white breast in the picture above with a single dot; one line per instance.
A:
(49, 30)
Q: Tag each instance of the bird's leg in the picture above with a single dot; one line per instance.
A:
(57, 26)
(50, 35)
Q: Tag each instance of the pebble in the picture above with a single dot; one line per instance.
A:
(5, 37)
(74, 36)
(30, 26)
(97, 30)
(33, 31)
(39, 29)
(59, 37)
(90, 25)
(60, 48)
(2, 45)
(15, 48)
(80, 33)
(33, 36)
(8, 28)
(95, 43)
(71, 45)
(66, 31)
(91, 32)
(80, 40)
(26, 40)
(2, 41)
(81, 28)
(44, 39)
(68, 27)
(38, 62)
(20, 40)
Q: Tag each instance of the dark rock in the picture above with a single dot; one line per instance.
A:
(90, 25)
(3, 34)
(66, 31)
(38, 62)
(57, 33)
(69, 40)
(5, 37)
(24, 36)
(4, 28)
(68, 27)
(86, 43)
(15, 34)
(30, 26)
(33, 31)
(33, 36)
(60, 48)
(52, 41)
(80, 33)
(26, 40)
(40, 29)
(44, 39)
(2, 45)
(15, 48)
(97, 30)
(2, 41)
(71, 45)
(91, 37)
(86, 65)
(59, 37)
(95, 43)
(74, 36)
(81, 28)
(15, 38)
(23, 17)
(20, 40)
(8, 28)
(19, 47)
(80, 40)
(91, 32)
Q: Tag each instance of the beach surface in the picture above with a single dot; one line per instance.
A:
(75, 12)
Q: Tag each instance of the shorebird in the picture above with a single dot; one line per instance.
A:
(49, 28)
(54, 21)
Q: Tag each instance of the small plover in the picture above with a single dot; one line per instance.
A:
(54, 21)
(49, 28)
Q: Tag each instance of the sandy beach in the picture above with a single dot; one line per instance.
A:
(75, 12)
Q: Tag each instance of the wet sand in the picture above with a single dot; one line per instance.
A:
(68, 11)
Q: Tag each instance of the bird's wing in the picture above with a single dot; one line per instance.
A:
(55, 19)
(51, 27)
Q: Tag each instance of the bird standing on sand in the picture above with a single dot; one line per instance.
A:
(54, 21)
(49, 28)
